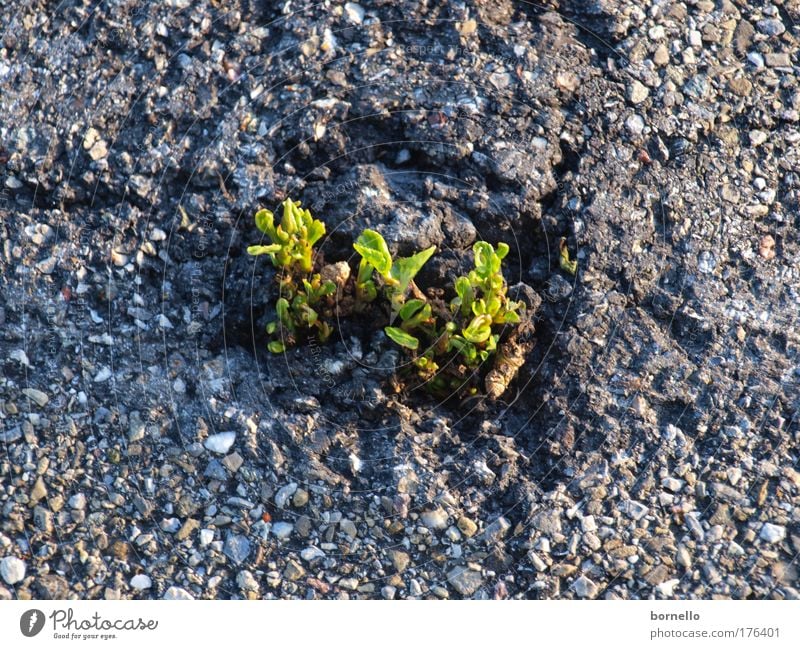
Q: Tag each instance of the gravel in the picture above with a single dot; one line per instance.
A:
(150, 446)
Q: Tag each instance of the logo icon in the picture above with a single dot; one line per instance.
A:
(31, 622)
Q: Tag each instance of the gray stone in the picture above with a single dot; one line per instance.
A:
(237, 548)
(772, 533)
(174, 592)
(584, 588)
(465, 580)
(37, 396)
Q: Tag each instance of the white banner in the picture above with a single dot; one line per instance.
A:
(334, 624)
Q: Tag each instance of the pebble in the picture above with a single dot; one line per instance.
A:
(282, 530)
(388, 592)
(141, 582)
(310, 553)
(772, 533)
(247, 582)
(637, 92)
(237, 548)
(435, 519)
(771, 26)
(78, 501)
(284, 493)
(103, 375)
(37, 396)
(465, 580)
(635, 509)
(300, 498)
(584, 588)
(348, 527)
(667, 588)
(293, 570)
(635, 124)
(221, 442)
(467, 526)
(175, 592)
(12, 570)
(38, 492)
(355, 13)
(206, 537)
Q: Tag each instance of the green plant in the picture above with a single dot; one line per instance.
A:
(397, 274)
(301, 295)
(470, 337)
(567, 264)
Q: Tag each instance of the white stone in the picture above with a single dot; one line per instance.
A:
(435, 519)
(221, 442)
(637, 92)
(284, 493)
(174, 592)
(103, 375)
(206, 537)
(310, 553)
(667, 588)
(354, 12)
(141, 582)
(584, 588)
(12, 570)
(78, 501)
(772, 533)
(282, 529)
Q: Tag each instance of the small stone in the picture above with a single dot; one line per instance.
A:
(771, 26)
(300, 498)
(232, 462)
(400, 560)
(778, 60)
(683, 558)
(467, 526)
(282, 530)
(496, 530)
(465, 580)
(189, 526)
(78, 501)
(388, 592)
(11, 435)
(634, 509)
(103, 375)
(740, 86)
(766, 248)
(435, 519)
(37, 396)
(355, 13)
(584, 588)
(221, 442)
(38, 492)
(174, 592)
(284, 493)
(206, 537)
(467, 27)
(237, 548)
(141, 582)
(99, 150)
(293, 571)
(348, 527)
(12, 570)
(637, 92)
(772, 533)
(661, 55)
(667, 588)
(246, 582)
(310, 553)
(757, 137)
(635, 124)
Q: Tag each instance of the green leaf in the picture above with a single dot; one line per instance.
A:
(410, 308)
(402, 338)
(288, 223)
(282, 309)
(511, 317)
(570, 266)
(276, 347)
(502, 250)
(272, 327)
(479, 329)
(372, 247)
(315, 232)
(265, 221)
(263, 250)
(406, 268)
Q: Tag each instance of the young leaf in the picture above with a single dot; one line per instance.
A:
(372, 247)
(410, 308)
(402, 338)
(276, 347)
(406, 268)
(479, 329)
(264, 222)
(570, 266)
(263, 250)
